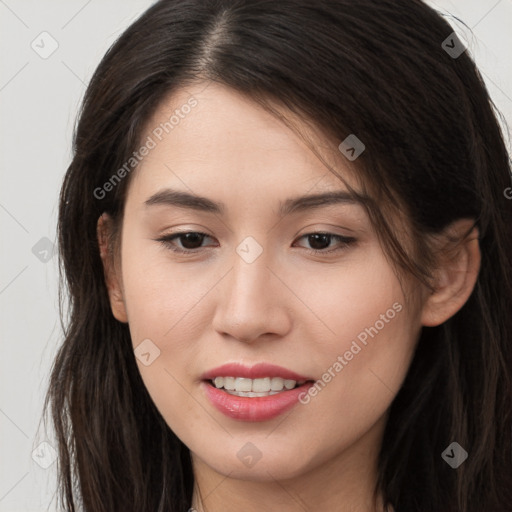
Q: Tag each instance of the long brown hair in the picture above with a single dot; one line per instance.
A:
(373, 68)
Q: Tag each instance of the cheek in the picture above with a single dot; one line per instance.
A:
(365, 337)
(162, 297)
(344, 301)
(165, 313)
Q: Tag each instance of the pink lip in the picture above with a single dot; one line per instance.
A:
(257, 371)
(253, 409)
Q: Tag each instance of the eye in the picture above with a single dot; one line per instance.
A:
(319, 241)
(190, 241)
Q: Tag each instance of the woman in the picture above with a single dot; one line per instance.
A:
(286, 239)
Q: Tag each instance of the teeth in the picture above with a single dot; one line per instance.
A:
(277, 384)
(264, 385)
(242, 384)
(290, 384)
(260, 385)
(252, 394)
(229, 383)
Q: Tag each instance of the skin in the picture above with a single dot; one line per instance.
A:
(288, 307)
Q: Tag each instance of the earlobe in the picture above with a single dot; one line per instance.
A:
(110, 271)
(456, 274)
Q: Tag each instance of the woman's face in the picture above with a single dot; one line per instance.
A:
(253, 292)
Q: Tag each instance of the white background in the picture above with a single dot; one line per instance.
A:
(39, 100)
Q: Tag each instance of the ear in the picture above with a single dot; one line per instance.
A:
(458, 264)
(112, 275)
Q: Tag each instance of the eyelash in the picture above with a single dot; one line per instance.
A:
(345, 241)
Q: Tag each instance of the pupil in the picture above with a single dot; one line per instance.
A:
(314, 239)
(193, 238)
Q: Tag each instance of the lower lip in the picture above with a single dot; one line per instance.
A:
(260, 408)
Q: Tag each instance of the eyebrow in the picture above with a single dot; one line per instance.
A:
(176, 198)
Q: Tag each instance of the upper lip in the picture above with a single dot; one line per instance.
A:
(258, 371)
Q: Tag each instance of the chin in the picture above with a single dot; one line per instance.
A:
(264, 467)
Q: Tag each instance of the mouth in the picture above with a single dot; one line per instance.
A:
(254, 393)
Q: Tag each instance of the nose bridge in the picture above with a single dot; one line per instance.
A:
(249, 276)
(249, 280)
(250, 303)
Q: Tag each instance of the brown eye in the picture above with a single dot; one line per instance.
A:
(189, 241)
(319, 242)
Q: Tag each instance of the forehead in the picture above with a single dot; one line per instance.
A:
(211, 139)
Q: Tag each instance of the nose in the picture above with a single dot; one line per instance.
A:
(253, 303)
